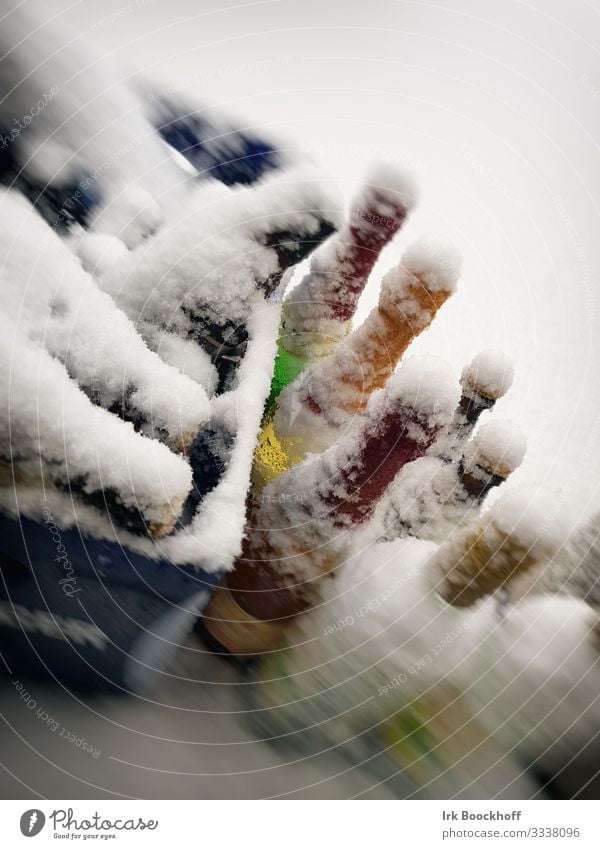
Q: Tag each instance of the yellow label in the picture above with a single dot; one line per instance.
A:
(238, 631)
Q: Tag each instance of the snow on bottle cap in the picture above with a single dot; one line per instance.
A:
(533, 517)
(389, 187)
(498, 447)
(435, 261)
(489, 374)
(426, 384)
(518, 534)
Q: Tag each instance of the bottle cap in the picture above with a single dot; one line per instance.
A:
(498, 448)
(489, 374)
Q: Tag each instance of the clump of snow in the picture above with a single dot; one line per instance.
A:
(532, 678)
(134, 215)
(98, 252)
(50, 427)
(498, 446)
(576, 570)
(534, 517)
(209, 265)
(425, 501)
(57, 305)
(91, 135)
(426, 384)
(435, 261)
(489, 374)
(389, 184)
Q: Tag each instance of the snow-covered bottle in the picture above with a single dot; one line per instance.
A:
(318, 313)
(487, 378)
(574, 572)
(521, 534)
(401, 668)
(432, 496)
(374, 671)
(299, 532)
(316, 407)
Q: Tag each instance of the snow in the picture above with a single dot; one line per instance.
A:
(535, 518)
(208, 261)
(391, 185)
(425, 384)
(435, 261)
(51, 428)
(380, 639)
(499, 447)
(318, 310)
(490, 374)
(91, 135)
(426, 501)
(55, 303)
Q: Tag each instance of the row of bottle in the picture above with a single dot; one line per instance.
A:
(407, 464)
(329, 431)
(415, 661)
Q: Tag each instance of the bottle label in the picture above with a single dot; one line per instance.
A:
(238, 631)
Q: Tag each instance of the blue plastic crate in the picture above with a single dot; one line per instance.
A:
(108, 620)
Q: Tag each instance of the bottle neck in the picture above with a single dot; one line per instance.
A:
(470, 407)
(478, 481)
(336, 282)
(397, 439)
(365, 237)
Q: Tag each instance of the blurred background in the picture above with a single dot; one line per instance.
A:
(496, 109)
